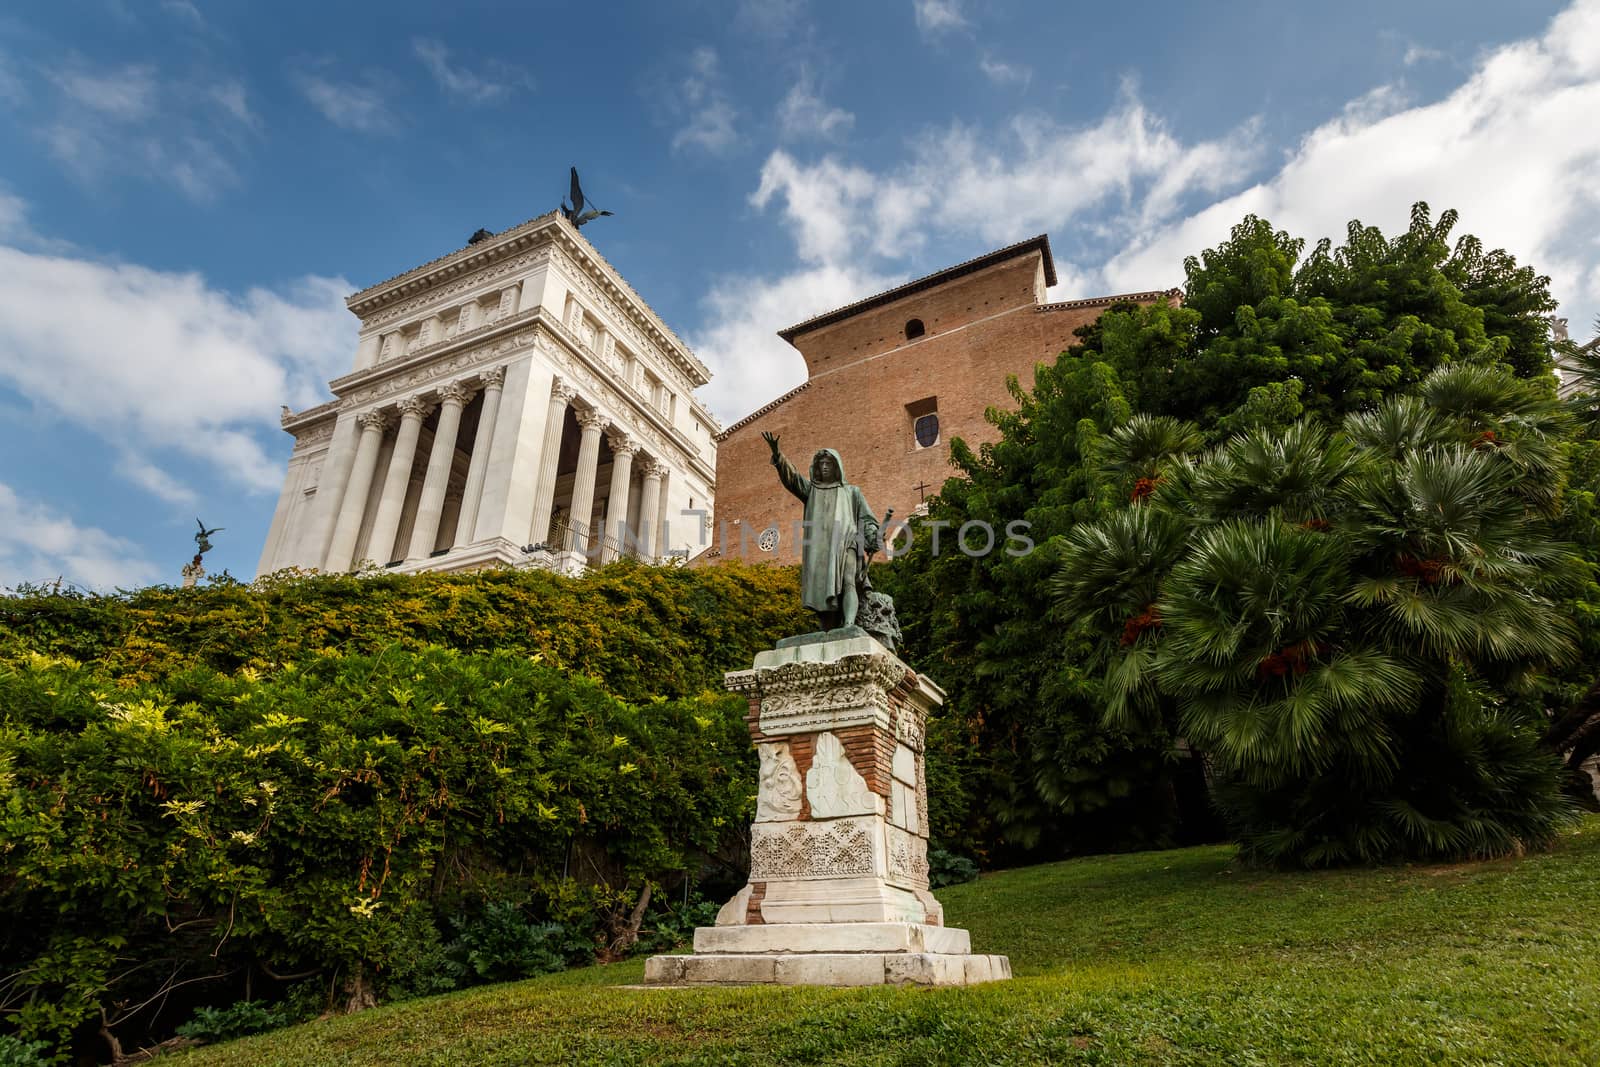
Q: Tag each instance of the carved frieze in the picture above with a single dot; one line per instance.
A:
(807, 696)
(788, 851)
(833, 786)
(440, 293)
(314, 436)
(424, 374)
(907, 857)
(780, 789)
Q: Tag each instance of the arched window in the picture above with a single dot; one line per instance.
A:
(915, 329)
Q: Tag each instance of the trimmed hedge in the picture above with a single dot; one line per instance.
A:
(296, 793)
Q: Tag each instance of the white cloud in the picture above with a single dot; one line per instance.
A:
(1030, 175)
(362, 107)
(148, 476)
(498, 81)
(38, 544)
(752, 364)
(184, 9)
(858, 231)
(127, 95)
(770, 18)
(1514, 148)
(128, 121)
(938, 16)
(1416, 53)
(232, 98)
(703, 99)
(1003, 73)
(803, 113)
(155, 361)
(13, 216)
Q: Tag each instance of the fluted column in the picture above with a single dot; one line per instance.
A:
(354, 505)
(592, 422)
(430, 505)
(544, 496)
(649, 507)
(616, 528)
(386, 525)
(478, 466)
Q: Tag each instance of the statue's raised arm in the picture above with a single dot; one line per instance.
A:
(792, 479)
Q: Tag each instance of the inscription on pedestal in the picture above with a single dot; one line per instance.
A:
(833, 786)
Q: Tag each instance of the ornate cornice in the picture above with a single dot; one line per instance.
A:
(417, 288)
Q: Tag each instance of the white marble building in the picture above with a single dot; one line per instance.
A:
(514, 402)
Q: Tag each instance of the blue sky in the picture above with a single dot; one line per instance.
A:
(189, 188)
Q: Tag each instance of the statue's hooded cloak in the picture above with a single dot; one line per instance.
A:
(838, 526)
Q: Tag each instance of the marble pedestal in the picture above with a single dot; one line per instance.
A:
(838, 891)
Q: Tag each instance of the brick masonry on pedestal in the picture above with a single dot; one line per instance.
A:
(850, 728)
(838, 891)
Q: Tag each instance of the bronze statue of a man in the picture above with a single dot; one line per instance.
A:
(839, 532)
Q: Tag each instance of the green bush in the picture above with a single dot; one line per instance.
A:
(947, 868)
(329, 818)
(500, 944)
(641, 632)
(15, 1052)
(238, 1019)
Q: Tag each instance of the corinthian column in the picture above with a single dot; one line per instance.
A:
(544, 494)
(649, 506)
(430, 505)
(593, 422)
(616, 528)
(354, 505)
(393, 501)
(493, 382)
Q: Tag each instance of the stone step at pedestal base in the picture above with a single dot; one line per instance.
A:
(830, 954)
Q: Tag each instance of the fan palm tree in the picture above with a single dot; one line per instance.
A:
(1327, 612)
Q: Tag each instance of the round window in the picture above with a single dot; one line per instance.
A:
(927, 430)
(768, 541)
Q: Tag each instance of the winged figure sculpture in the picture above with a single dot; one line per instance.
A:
(575, 213)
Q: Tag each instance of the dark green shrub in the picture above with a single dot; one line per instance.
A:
(947, 868)
(238, 1019)
(500, 944)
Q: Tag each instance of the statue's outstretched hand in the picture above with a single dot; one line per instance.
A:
(771, 439)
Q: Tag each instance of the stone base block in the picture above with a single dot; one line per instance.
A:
(833, 954)
(831, 937)
(827, 969)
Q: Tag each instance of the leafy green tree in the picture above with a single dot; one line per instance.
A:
(1266, 335)
(1343, 621)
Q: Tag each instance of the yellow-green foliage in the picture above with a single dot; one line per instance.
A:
(321, 776)
(641, 632)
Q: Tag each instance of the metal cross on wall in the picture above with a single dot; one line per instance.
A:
(922, 489)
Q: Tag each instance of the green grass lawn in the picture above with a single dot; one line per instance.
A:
(1180, 957)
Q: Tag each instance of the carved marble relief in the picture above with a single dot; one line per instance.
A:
(780, 786)
(781, 851)
(833, 786)
(907, 858)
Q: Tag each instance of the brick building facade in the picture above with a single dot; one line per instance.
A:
(891, 380)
